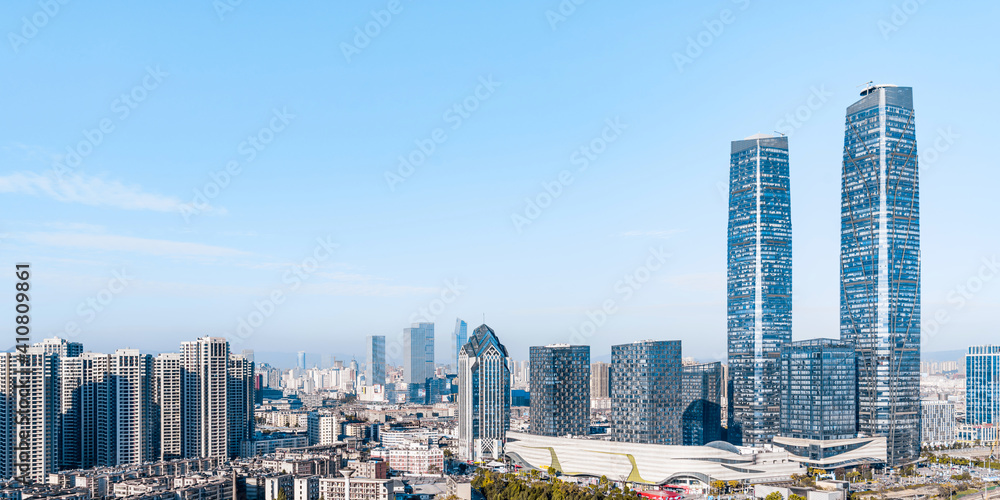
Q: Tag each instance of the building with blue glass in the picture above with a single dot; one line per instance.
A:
(459, 338)
(483, 397)
(759, 284)
(701, 390)
(645, 400)
(818, 390)
(982, 385)
(880, 265)
(375, 360)
(560, 390)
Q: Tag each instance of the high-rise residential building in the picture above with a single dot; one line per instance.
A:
(645, 400)
(418, 353)
(241, 401)
(29, 414)
(600, 380)
(483, 396)
(205, 393)
(375, 360)
(759, 289)
(880, 265)
(937, 423)
(459, 338)
(132, 426)
(818, 390)
(167, 403)
(982, 385)
(701, 392)
(61, 347)
(322, 427)
(560, 390)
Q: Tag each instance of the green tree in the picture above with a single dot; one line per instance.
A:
(774, 496)
(281, 494)
(795, 497)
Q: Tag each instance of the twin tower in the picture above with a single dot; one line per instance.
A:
(879, 273)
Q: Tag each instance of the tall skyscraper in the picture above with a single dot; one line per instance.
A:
(29, 409)
(301, 360)
(759, 291)
(483, 397)
(645, 400)
(982, 385)
(61, 347)
(375, 362)
(600, 380)
(560, 390)
(880, 265)
(205, 392)
(240, 405)
(818, 390)
(459, 338)
(418, 353)
(701, 392)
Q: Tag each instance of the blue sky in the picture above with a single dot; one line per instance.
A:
(125, 252)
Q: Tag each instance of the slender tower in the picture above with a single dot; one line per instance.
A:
(880, 265)
(759, 291)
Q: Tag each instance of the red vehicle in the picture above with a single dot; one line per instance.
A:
(661, 494)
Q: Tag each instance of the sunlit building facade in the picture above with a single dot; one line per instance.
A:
(483, 397)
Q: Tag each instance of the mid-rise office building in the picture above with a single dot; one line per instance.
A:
(600, 380)
(701, 388)
(645, 400)
(560, 390)
(375, 360)
(818, 390)
(418, 353)
(937, 423)
(483, 396)
(982, 385)
(880, 265)
(759, 283)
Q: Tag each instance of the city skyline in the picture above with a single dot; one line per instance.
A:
(660, 183)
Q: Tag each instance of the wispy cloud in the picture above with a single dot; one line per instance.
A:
(90, 190)
(658, 233)
(110, 242)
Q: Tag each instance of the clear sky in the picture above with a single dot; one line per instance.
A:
(491, 103)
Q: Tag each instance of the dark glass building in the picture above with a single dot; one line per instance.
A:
(818, 390)
(645, 392)
(560, 390)
(982, 385)
(701, 387)
(880, 265)
(759, 284)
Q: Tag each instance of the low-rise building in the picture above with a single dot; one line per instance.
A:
(937, 423)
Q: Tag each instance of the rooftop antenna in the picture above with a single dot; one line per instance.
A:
(780, 133)
(867, 85)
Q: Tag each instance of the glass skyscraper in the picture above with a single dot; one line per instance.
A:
(818, 390)
(982, 385)
(560, 390)
(459, 338)
(375, 362)
(759, 283)
(701, 387)
(483, 397)
(645, 396)
(418, 353)
(880, 265)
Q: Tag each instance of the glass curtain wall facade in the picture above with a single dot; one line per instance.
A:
(375, 362)
(759, 284)
(560, 390)
(418, 353)
(483, 397)
(459, 338)
(818, 390)
(880, 265)
(982, 385)
(702, 402)
(645, 400)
